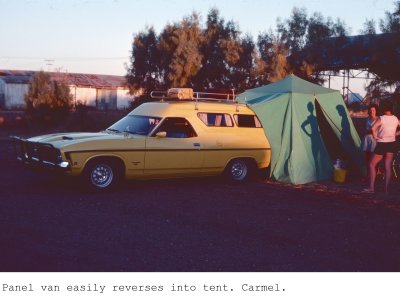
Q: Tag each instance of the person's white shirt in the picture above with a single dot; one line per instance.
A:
(386, 132)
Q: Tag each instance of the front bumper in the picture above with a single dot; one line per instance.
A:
(38, 154)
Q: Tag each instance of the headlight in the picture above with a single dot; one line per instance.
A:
(63, 164)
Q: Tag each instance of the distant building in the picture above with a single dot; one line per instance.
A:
(100, 91)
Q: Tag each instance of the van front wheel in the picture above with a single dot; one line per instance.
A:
(102, 174)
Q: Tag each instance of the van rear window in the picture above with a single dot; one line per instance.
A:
(216, 119)
(250, 121)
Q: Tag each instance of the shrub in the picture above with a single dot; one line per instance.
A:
(47, 101)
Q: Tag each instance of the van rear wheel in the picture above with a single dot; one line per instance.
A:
(238, 170)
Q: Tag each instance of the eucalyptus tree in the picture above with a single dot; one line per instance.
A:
(179, 46)
(292, 32)
(318, 29)
(273, 64)
(144, 72)
(221, 52)
(369, 27)
(243, 72)
(391, 22)
(295, 47)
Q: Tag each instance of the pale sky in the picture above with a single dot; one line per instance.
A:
(94, 36)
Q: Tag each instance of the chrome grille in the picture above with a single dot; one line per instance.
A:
(42, 152)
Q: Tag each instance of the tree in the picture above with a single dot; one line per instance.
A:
(185, 54)
(216, 56)
(243, 74)
(391, 23)
(293, 32)
(369, 27)
(273, 54)
(221, 52)
(47, 101)
(295, 47)
(179, 46)
(318, 29)
(263, 58)
(390, 77)
(213, 67)
(339, 29)
(144, 72)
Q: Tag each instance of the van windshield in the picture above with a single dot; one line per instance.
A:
(142, 125)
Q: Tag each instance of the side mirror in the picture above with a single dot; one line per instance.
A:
(161, 134)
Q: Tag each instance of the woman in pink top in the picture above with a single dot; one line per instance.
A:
(384, 131)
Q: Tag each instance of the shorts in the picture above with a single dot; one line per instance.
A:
(382, 148)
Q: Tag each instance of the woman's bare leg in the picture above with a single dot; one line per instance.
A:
(376, 158)
(368, 156)
(388, 161)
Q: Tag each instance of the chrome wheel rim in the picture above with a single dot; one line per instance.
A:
(101, 175)
(239, 170)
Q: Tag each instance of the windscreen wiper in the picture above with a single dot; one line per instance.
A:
(135, 132)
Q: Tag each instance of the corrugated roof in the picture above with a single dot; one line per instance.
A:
(78, 79)
(21, 79)
(16, 73)
(379, 53)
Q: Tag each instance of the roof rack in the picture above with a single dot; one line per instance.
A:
(189, 95)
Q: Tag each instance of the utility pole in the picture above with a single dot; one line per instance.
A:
(49, 63)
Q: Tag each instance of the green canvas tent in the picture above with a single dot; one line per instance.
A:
(308, 127)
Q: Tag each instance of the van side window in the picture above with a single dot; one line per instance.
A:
(247, 121)
(176, 128)
(216, 119)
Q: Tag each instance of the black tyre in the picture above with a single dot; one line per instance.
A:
(102, 174)
(238, 170)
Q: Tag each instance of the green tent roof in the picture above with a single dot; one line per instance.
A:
(290, 84)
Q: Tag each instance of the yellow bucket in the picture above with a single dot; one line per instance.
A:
(339, 175)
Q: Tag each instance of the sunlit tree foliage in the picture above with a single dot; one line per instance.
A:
(179, 47)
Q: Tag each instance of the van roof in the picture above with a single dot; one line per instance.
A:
(161, 108)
